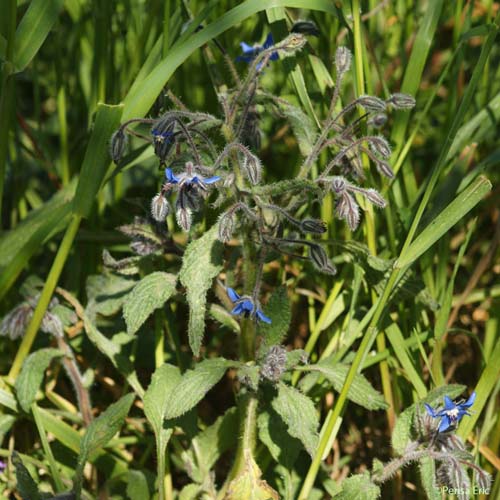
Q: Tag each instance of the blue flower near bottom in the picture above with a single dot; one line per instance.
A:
(246, 306)
(452, 412)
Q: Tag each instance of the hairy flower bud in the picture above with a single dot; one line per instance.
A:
(339, 185)
(227, 222)
(252, 168)
(380, 146)
(343, 58)
(159, 207)
(378, 120)
(375, 197)
(274, 363)
(321, 260)
(163, 138)
(348, 209)
(118, 144)
(314, 226)
(402, 101)
(372, 103)
(292, 43)
(184, 217)
(384, 168)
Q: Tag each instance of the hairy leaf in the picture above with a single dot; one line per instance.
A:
(299, 414)
(427, 468)
(149, 294)
(201, 264)
(107, 292)
(137, 486)
(359, 487)
(100, 431)
(278, 309)
(31, 376)
(26, 486)
(193, 386)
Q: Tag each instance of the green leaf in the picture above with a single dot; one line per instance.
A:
(273, 433)
(201, 264)
(360, 392)
(99, 433)
(359, 487)
(401, 434)
(112, 350)
(224, 317)
(209, 445)
(31, 376)
(163, 384)
(193, 386)
(96, 158)
(454, 212)
(278, 309)
(137, 486)
(249, 485)
(299, 414)
(427, 469)
(303, 127)
(26, 486)
(149, 294)
(18, 245)
(33, 29)
(107, 292)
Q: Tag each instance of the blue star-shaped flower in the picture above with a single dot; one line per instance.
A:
(452, 412)
(245, 305)
(189, 178)
(250, 53)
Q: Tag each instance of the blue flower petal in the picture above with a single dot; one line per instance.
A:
(232, 294)
(445, 424)
(211, 180)
(238, 309)
(263, 317)
(430, 410)
(448, 403)
(269, 42)
(170, 176)
(470, 401)
(247, 305)
(247, 49)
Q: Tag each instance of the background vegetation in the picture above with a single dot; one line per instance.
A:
(62, 200)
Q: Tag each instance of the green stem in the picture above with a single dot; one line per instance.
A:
(246, 444)
(7, 93)
(160, 469)
(46, 295)
(46, 448)
(328, 430)
(159, 339)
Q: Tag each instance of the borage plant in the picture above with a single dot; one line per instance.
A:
(246, 245)
(262, 230)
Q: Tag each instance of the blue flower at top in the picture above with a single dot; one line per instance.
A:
(245, 305)
(189, 178)
(250, 53)
(452, 412)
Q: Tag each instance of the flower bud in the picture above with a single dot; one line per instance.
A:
(378, 120)
(348, 209)
(159, 207)
(184, 218)
(372, 103)
(321, 260)
(292, 43)
(274, 363)
(374, 197)
(339, 185)
(343, 58)
(227, 222)
(118, 144)
(380, 146)
(163, 138)
(252, 168)
(402, 101)
(384, 168)
(314, 226)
